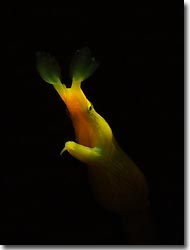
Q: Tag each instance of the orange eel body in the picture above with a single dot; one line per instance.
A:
(117, 182)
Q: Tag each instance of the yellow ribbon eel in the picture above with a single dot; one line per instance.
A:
(118, 183)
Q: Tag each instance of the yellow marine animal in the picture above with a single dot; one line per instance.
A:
(117, 182)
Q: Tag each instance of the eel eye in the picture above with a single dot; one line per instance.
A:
(90, 108)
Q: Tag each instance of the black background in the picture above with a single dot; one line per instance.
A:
(138, 88)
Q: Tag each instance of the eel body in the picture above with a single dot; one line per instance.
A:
(117, 182)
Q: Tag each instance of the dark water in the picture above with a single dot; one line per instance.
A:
(138, 89)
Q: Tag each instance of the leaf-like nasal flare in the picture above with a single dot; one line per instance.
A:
(48, 68)
(82, 65)
(50, 72)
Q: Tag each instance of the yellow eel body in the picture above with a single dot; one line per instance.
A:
(117, 182)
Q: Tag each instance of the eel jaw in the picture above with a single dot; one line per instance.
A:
(85, 154)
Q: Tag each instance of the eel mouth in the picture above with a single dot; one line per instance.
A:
(85, 134)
